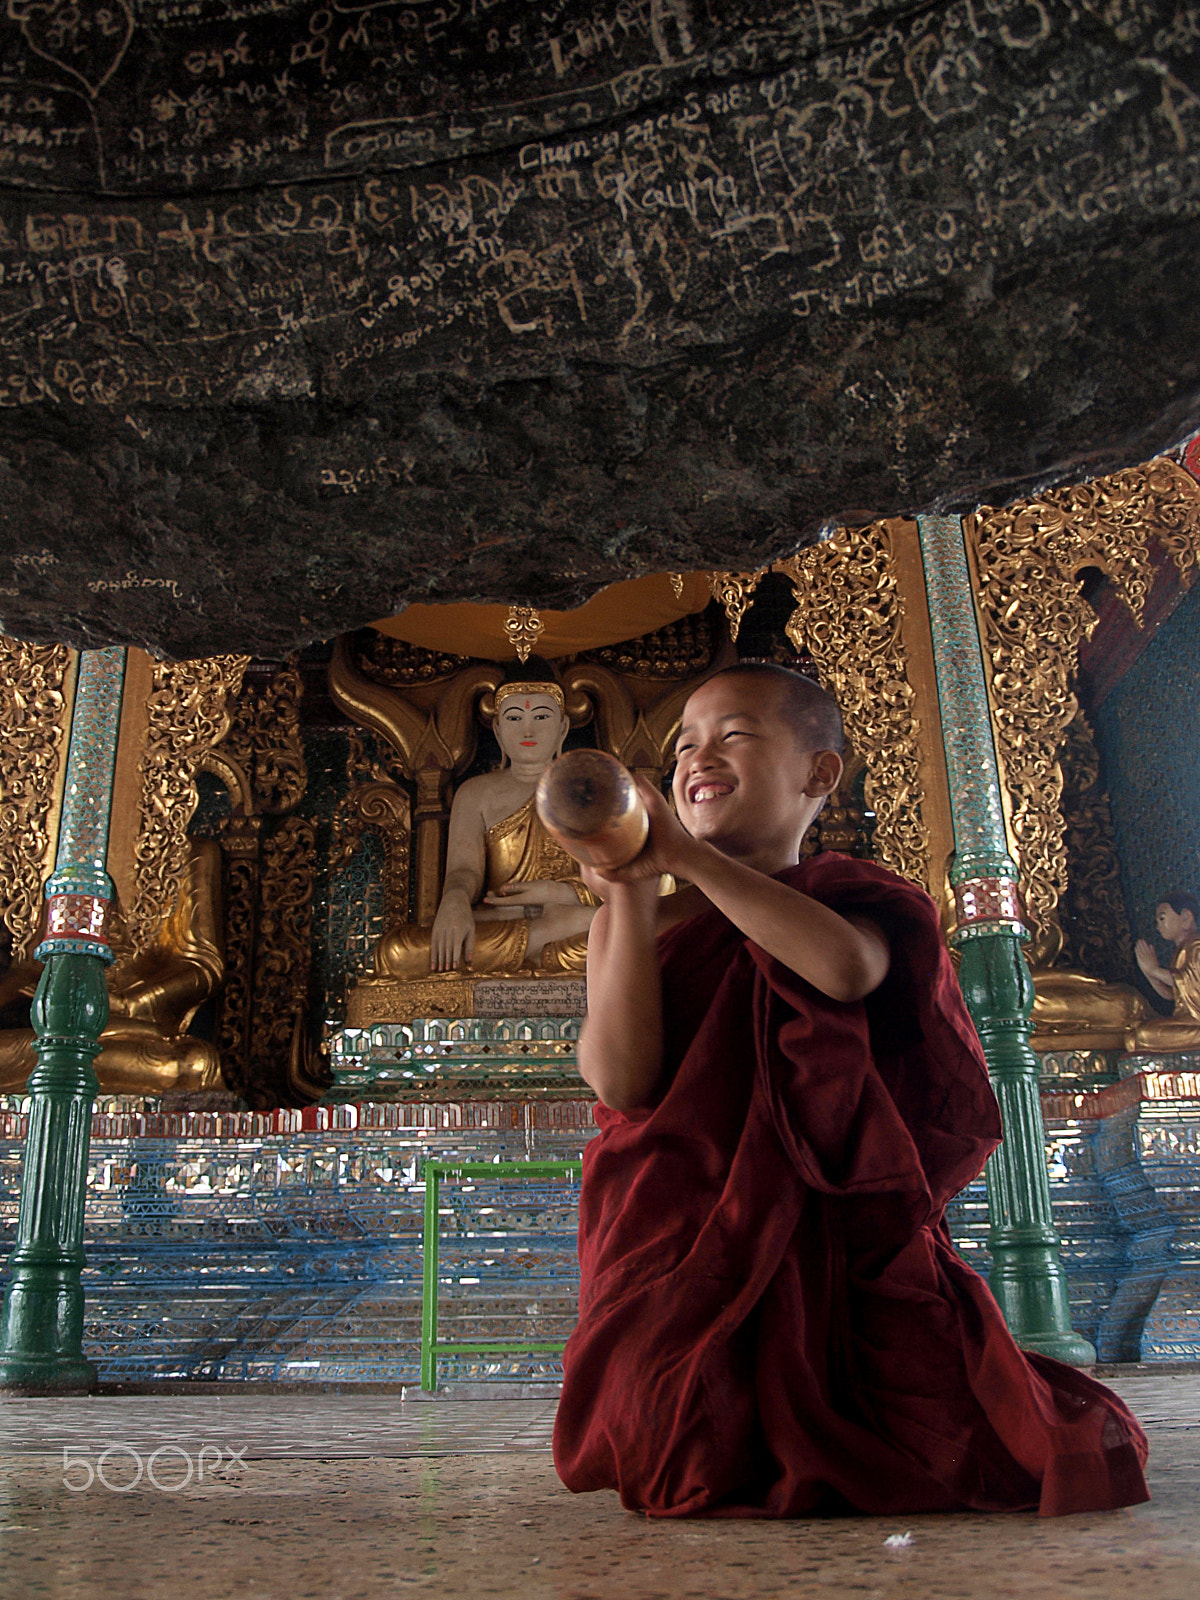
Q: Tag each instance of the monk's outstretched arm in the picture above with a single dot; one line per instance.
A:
(844, 957)
(620, 1047)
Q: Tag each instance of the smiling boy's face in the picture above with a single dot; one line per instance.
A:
(743, 782)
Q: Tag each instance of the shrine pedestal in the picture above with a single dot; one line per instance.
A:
(443, 1058)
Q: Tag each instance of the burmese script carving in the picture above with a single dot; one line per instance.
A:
(33, 723)
(1034, 615)
(187, 714)
(848, 616)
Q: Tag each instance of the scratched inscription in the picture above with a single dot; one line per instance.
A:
(287, 203)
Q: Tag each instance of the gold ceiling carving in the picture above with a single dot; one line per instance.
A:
(1028, 557)
(33, 725)
(848, 616)
(522, 628)
(188, 713)
(734, 591)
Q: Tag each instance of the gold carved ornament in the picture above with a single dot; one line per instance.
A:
(282, 958)
(264, 741)
(523, 627)
(848, 616)
(734, 591)
(240, 846)
(188, 712)
(374, 800)
(33, 725)
(1028, 557)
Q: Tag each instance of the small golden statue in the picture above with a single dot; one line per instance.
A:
(153, 996)
(1177, 918)
(1074, 1011)
(513, 902)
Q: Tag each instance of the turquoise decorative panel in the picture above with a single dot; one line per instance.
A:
(80, 866)
(981, 845)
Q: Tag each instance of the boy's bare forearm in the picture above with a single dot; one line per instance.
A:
(845, 960)
(620, 1048)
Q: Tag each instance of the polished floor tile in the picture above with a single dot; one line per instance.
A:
(341, 1497)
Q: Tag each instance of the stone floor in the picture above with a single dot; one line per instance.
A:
(349, 1497)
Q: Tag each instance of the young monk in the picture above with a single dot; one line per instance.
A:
(772, 1320)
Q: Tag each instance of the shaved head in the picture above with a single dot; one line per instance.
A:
(812, 712)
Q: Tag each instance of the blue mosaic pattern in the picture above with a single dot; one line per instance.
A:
(1148, 736)
(980, 841)
(80, 865)
(296, 1256)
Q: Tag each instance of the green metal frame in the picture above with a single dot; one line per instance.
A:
(433, 1173)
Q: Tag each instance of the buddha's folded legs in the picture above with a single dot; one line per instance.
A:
(1073, 1002)
(1164, 1034)
(134, 1059)
(500, 947)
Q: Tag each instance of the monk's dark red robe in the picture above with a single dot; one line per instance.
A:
(772, 1319)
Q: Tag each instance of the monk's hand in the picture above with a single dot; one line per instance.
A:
(452, 940)
(1146, 958)
(665, 850)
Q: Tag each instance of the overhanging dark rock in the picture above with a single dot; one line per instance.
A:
(306, 313)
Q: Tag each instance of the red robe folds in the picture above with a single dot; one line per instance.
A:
(772, 1320)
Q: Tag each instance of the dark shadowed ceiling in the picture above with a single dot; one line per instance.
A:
(308, 311)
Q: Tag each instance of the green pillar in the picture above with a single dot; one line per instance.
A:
(41, 1333)
(1027, 1277)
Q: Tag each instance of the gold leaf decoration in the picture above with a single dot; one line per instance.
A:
(282, 957)
(264, 740)
(522, 628)
(187, 714)
(848, 617)
(1028, 557)
(239, 838)
(375, 800)
(734, 591)
(33, 726)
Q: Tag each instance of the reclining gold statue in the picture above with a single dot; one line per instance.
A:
(153, 995)
(512, 900)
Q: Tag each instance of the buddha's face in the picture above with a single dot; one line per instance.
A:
(530, 729)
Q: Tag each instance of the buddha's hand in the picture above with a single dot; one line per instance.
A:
(531, 899)
(452, 940)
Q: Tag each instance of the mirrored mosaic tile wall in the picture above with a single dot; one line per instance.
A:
(219, 1249)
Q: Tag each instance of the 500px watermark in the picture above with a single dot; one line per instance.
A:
(120, 1467)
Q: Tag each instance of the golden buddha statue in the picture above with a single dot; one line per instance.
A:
(512, 901)
(1074, 1011)
(1177, 918)
(153, 995)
